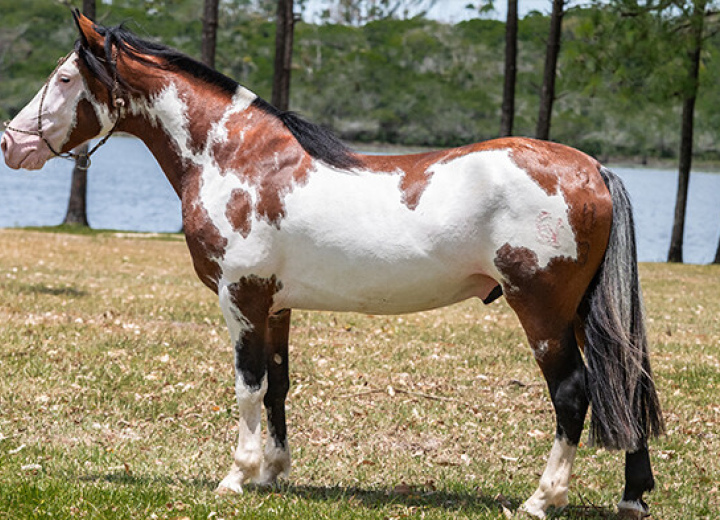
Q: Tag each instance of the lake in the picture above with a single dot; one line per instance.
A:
(128, 191)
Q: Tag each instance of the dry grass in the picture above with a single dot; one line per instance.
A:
(116, 398)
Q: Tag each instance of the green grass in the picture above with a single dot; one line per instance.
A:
(116, 398)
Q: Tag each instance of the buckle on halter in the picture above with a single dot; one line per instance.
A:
(82, 162)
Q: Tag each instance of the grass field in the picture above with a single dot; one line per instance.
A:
(116, 398)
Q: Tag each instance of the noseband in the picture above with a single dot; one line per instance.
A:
(82, 159)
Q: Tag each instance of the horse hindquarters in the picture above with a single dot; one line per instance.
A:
(617, 382)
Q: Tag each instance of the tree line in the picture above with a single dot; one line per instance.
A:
(624, 78)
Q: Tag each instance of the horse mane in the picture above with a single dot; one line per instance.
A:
(317, 140)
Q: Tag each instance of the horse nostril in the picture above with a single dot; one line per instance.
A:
(3, 144)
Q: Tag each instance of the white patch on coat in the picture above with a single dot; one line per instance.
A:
(242, 99)
(59, 109)
(555, 480)
(168, 110)
(540, 349)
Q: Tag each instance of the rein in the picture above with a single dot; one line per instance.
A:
(82, 159)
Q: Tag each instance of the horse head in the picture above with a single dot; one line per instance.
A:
(79, 101)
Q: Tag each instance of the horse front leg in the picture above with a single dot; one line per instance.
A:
(246, 305)
(277, 452)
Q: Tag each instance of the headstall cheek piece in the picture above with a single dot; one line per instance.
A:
(82, 159)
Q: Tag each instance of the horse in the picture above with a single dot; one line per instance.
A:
(279, 214)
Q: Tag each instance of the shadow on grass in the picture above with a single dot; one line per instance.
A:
(457, 501)
(382, 497)
(71, 292)
(467, 502)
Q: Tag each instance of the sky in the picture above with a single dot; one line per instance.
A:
(453, 11)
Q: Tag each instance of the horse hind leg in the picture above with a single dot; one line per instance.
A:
(562, 365)
(276, 461)
(638, 480)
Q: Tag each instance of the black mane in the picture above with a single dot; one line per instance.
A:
(318, 141)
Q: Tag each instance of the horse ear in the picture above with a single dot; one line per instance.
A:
(89, 37)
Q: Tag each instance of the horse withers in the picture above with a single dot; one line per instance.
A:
(280, 215)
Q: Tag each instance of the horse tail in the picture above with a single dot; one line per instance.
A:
(625, 405)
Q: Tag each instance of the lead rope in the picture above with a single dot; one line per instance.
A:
(82, 159)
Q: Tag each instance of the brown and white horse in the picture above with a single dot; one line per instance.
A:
(278, 214)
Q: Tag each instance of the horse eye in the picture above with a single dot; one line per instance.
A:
(65, 79)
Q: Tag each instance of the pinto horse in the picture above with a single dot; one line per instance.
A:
(278, 215)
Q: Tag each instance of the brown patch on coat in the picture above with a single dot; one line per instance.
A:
(546, 300)
(253, 297)
(555, 166)
(239, 211)
(262, 152)
(201, 116)
(86, 126)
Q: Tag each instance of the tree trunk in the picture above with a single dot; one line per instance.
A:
(547, 94)
(675, 254)
(717, 254)
(209, 32)
(76, 214)
(508, 104)
(283, 54)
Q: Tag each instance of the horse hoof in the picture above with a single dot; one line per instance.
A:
(633, 509)
(529, 511)
(229, 487)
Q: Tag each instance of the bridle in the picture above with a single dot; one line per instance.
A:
(82, 159)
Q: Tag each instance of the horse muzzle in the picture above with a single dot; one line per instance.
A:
(24, 151)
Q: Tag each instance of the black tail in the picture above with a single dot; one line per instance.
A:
(625, 406)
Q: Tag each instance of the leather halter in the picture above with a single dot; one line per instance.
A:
(82, 159)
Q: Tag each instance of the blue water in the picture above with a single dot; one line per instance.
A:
(128, 191)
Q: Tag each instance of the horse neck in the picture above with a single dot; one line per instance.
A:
(188, 124)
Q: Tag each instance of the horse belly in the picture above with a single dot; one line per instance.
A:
(371, 289)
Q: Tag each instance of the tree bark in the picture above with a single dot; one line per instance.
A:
(209, 32)
(547, 94)
(675, 254)
(508, 104)
(283, 54)
(76, 214)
